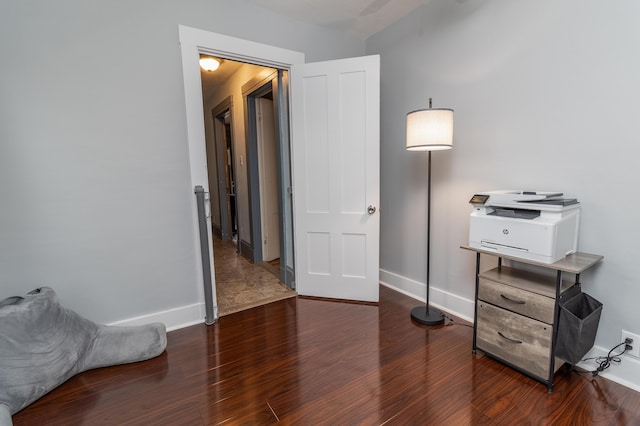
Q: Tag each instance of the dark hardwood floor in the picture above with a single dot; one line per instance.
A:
(315, 362)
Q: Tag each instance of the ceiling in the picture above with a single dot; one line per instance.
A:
(219, 76)
(360, 17)
(363, 18)
(213, 80)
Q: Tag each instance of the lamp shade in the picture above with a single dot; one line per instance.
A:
(430, 129)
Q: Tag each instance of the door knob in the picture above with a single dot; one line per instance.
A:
(371, 209)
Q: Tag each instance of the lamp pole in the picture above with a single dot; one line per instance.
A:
(425, 314)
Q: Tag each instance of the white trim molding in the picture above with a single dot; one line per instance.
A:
(193, 42)
(173, 319)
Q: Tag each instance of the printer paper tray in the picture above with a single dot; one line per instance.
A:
(496, 246)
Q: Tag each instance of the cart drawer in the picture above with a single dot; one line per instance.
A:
(524, 302)
(518, 340)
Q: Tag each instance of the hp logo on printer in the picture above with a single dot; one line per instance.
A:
(505, 231)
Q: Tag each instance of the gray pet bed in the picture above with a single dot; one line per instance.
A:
(43, 344)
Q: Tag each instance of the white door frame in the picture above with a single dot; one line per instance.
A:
(193, 42)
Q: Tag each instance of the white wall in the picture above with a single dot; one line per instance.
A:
(95, 190)
(546, 98)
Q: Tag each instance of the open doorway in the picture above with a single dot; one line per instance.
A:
(267, 170)
(229, 175)
(248, 164)
(222, 175)
(194, 42)
(265, 141)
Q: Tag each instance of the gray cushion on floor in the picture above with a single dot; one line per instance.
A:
(43, 344)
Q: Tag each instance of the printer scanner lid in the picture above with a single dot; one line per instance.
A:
(532, 200)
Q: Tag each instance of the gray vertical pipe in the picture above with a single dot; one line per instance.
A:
(204, 251)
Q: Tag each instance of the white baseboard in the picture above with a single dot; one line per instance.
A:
(185, 316)
(173, 319)
(626, 373)
(448, 302)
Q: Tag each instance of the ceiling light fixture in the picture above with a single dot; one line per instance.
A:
(208, 63)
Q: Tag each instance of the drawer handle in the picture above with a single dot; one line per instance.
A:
(509, 339)
(508, 299)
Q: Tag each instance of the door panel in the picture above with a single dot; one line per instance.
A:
(335, 140)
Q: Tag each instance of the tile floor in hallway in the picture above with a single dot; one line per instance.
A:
(241, 284)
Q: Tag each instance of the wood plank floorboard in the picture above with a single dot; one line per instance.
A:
(316, 362)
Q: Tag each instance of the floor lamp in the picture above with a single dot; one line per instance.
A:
(429, 130)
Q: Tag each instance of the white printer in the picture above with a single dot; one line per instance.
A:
(538, 226)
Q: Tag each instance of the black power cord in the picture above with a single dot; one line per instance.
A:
(605, 361)
(451, 322)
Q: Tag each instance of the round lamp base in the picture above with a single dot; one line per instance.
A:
(432, 316)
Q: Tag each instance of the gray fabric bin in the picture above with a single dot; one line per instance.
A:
(577, 327)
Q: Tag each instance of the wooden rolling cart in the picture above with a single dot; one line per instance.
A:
(517, 311)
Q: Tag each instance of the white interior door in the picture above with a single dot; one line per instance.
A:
(335, 123)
